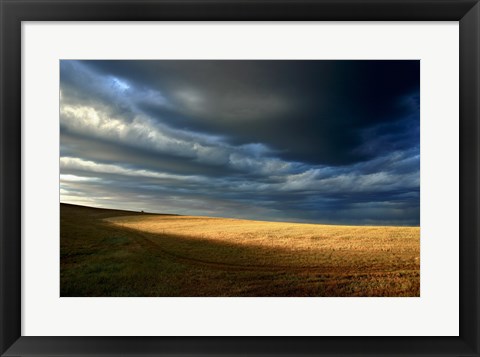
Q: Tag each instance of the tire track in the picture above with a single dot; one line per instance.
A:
(145, 241)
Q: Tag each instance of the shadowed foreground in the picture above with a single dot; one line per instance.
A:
(122, 253)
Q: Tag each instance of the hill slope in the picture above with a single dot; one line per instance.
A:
(122, 253)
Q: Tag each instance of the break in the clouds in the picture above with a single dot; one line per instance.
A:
(307, 141)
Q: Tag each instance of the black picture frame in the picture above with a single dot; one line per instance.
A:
(13, 12)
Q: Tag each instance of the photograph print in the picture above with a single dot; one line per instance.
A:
(239, 178)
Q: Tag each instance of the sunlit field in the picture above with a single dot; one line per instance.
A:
(122, 253)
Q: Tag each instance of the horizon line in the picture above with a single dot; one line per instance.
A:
(244, 219)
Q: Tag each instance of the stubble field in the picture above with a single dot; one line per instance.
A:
(122, 253)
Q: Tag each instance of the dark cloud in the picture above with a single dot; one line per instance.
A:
(313, 141)
(313, 111)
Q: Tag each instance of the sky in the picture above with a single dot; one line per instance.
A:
(334, 142)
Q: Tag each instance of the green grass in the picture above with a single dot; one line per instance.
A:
(101, 257)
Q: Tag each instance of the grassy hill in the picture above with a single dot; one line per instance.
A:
(122, 253)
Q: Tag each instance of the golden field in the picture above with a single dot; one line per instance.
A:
(121, 253)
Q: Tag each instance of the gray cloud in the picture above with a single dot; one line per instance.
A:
(312, 141)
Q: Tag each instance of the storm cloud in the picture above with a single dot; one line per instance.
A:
(306, 141)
